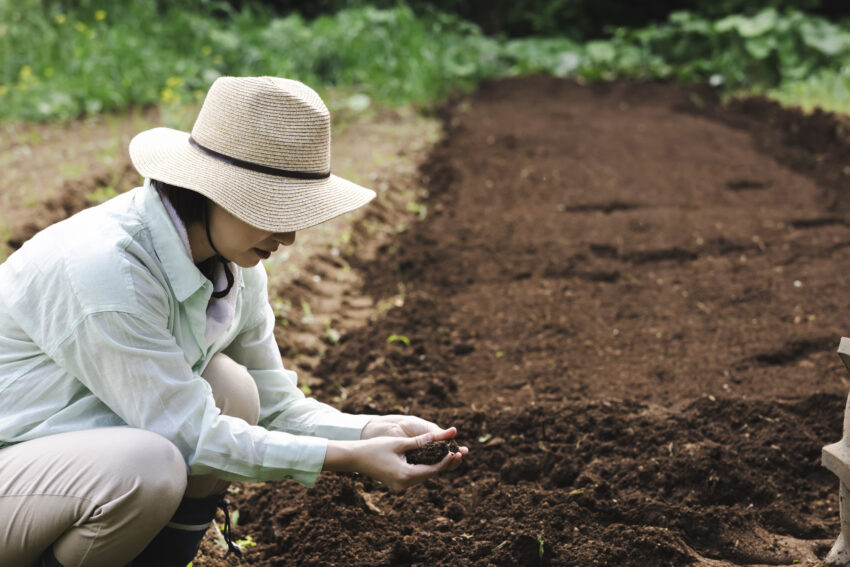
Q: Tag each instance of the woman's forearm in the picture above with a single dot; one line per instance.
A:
(341, 456)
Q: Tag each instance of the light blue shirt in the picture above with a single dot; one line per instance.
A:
(102, 323)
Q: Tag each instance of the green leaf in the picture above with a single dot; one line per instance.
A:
(398, 338)
(729, 23)
(754, 26)
(333, 336)
(761, 46)
(825, 37)
(601, 51)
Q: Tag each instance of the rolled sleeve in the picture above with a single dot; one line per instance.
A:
(345, 427)
(302, 463)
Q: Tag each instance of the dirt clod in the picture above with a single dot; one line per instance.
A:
(432, 453)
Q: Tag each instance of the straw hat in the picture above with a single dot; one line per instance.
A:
(260, 148)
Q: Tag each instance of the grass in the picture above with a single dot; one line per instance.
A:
(827, 91)
(101, 194)
(398, 338)
(60, 65)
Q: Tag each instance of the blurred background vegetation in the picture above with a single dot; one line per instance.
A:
(65, 59)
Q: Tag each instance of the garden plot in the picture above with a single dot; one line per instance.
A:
(628, 299)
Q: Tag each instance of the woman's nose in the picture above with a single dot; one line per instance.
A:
(285, 238)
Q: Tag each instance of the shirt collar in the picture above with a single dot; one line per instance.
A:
(185, 278)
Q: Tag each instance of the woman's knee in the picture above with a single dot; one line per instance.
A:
(112, 489)
(233, 388)
(162, 471)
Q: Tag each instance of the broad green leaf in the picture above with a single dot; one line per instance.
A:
(761, 46)
(753, 26)
(601, 51)
(824, 36)
(728, 23)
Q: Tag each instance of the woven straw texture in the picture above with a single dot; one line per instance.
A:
(268, 121)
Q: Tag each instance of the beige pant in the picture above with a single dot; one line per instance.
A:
(99, 496)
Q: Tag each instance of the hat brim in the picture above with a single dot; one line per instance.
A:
(268, 202)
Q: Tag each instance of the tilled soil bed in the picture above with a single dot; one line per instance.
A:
(627, 298)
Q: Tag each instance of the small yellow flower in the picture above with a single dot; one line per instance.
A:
(174, 82)
(3, 90)
(167, 95)
(80, 27)
(26, 73)
(206, 50)
(92, 34)
(100, 15)
(59, 19)
(48, 72)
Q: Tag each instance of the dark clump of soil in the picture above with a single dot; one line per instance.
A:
(628, 303)
(432, 453)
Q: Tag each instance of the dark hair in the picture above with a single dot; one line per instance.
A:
(189, 205)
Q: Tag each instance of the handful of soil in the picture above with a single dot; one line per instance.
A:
(432, 453)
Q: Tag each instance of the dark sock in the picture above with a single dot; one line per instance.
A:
(178, 542)
(49, 559)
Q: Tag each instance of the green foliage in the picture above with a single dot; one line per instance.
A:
(59, 65)
(577, 19)
(101, 194)
(763, 49)
(795, 57)
(827, 90)
(395, 55)
(789, 55)
(721, 8)
(247, 541)
(62, 64)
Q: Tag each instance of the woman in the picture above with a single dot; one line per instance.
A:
(139, 373)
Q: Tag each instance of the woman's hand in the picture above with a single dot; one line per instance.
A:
(381, 456)
(408, 426)
(398, 426)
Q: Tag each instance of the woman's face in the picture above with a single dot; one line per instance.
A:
(240, 242)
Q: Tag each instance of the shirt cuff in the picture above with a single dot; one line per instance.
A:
(345, 427)
(301, 461)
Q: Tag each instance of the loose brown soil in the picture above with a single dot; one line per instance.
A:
(432, 453)
(627, 298)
